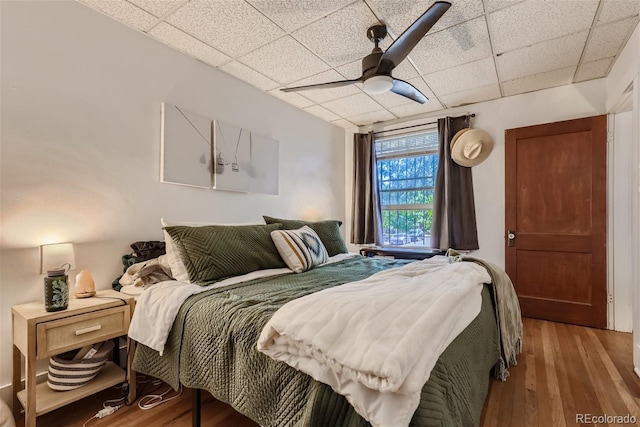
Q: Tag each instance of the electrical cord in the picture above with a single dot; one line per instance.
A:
(150, 401)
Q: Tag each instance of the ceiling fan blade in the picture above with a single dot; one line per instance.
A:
(401, 47)
(408, 90)
(322, 85)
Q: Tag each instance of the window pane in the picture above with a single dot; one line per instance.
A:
(407, 167)
(406, 227)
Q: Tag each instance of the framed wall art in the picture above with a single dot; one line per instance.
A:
(186, 154)
(232, 157)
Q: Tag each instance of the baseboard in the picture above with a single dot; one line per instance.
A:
(5, 390)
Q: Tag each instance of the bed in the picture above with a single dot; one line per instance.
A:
(212, 346)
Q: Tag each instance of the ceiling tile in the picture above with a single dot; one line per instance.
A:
(322, 112)
(352, 105)
(534, 21)
(390, 99)
(460, 11)
(372, 117)
(400, 14)
(340, 37)
(405, 70)
(493, 5)
(325, 94)
(157, 7)
(182, 41)
(539, 81)
(124, 12)
(293, 14)
(607, 40)
(613, 10)
(457, 45)
(292, 98)
(351, 70)
(464, 77)
(471, 96)
(414, 108)
(546, 56)
(343, 123)
(284, 60)
(593, 70)
(249, 75)
(232, 27)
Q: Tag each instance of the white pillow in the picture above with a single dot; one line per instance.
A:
(300, 249)
(178, 270)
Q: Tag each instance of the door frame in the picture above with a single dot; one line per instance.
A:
(636, 224)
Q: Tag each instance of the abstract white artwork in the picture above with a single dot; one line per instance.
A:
(198, 151)
(232, 160)
(185, 156)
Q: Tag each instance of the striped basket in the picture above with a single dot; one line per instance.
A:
(68, 374)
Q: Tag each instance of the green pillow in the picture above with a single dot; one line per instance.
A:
(328, 231)
(214, 252)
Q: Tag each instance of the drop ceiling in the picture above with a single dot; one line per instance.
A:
(480, 49)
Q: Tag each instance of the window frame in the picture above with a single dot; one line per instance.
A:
(409, 153)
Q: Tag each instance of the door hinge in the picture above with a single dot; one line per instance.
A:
(610, 299)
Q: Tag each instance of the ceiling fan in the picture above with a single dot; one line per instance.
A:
(377, 66)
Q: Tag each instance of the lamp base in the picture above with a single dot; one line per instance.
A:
(85, 294)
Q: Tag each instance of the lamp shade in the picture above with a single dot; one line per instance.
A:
(57, 256)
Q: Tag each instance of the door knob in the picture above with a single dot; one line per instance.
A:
(511, 237)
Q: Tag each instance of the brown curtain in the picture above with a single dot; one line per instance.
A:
(364, 215)
(454, 212)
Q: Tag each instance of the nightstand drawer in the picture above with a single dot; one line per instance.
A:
(74, 332)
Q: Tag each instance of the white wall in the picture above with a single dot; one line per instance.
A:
(80, 146)
(551, 105)
(624, 72)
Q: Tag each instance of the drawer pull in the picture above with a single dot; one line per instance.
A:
(89, 329)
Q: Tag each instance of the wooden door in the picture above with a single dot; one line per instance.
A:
(555, 208)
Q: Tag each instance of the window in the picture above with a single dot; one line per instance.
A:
(407, 167)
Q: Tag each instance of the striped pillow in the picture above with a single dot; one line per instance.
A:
(300, 249)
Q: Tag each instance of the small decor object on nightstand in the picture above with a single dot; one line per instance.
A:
(85, 285)
(56, 260)
(56, 290)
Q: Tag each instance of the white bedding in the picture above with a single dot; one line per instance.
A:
(376, 341)
(158, 305)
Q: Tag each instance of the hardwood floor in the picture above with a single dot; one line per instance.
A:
(563, 371)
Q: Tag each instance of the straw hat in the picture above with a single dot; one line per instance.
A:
(470, 147)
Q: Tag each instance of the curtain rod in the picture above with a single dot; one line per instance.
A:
(414, 126)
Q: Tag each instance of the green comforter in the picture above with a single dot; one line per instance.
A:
(212, 346)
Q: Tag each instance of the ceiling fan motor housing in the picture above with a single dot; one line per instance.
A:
(370, 62)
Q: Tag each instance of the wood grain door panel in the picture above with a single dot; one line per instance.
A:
(556, 206)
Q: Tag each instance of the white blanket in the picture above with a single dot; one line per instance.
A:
(157, 305)
(376, 341)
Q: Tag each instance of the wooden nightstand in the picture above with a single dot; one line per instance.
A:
(39, 334)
